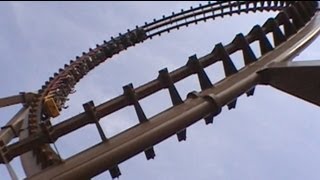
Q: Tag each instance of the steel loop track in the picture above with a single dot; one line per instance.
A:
(63, 82)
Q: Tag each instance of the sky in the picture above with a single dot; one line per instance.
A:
(271, 135)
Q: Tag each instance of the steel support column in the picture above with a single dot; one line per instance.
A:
(300, 79)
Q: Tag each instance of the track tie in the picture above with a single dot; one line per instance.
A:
(248, 55)
(195, 66)
(264, 43)
(166, 80)
(296, 17)
(130, 94)
(229, 67)
(90, 109)
(289, 28)
(205, 83)
(278, 36)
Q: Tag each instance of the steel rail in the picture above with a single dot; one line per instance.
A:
(210, 11)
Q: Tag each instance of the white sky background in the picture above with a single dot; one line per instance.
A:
(268, 136)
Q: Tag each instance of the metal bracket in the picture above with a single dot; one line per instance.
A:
(176, 99)
(229, 67)
(296, 18)
(204, 80)
(131, 95)
(16, 134)
(248, 55)
(278, 36)
(289, 28)
(90, 109)
(195, 65)
(264, 43)
(166, 81)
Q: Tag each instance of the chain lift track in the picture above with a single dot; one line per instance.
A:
(294, 16)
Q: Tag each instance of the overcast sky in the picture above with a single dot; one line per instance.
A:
(268, 136)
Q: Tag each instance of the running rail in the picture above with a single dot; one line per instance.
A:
(300, 27)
